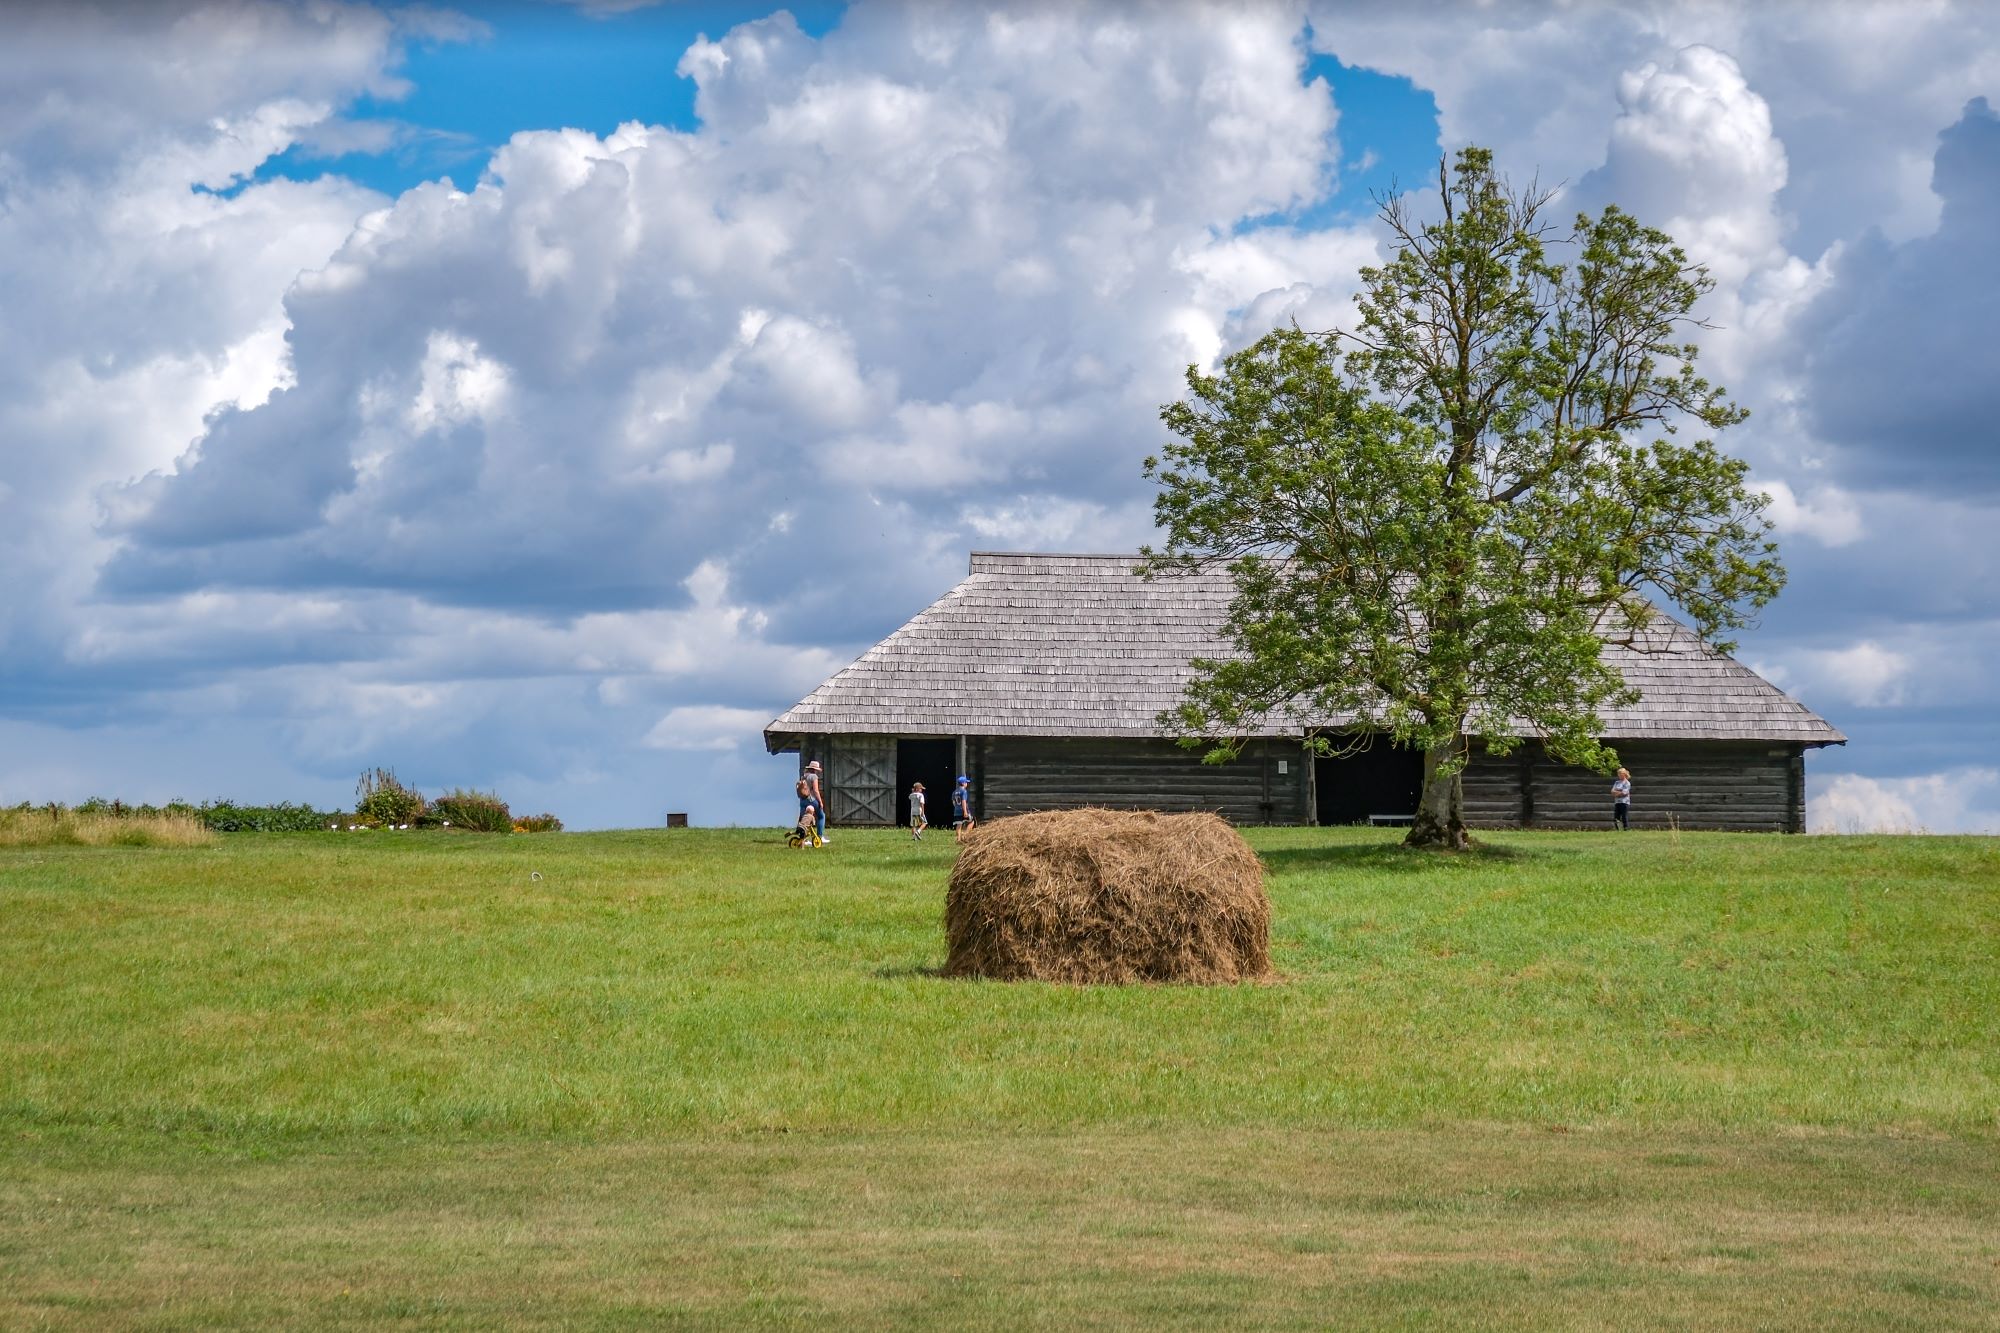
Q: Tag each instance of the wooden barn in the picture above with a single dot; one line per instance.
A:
(1043, 677)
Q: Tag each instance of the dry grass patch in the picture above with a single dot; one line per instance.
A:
(67, 828)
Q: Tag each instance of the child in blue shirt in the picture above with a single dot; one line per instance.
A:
(961, 808)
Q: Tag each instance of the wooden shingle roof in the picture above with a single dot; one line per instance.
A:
(1079, 645)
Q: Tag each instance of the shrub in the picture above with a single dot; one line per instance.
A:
(284, 817)
(480, 811)
(544, 823)
(379, 798)
(97, 805)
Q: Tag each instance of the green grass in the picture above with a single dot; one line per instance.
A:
(1573, 1079)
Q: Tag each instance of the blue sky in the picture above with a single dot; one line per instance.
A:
(533, 67)
(549, 66)
(379, 400)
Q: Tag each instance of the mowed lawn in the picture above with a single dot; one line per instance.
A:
(701, 1078)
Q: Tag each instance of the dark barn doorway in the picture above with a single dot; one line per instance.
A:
(928, 762)
(1383, 780)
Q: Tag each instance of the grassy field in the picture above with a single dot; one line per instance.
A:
(700, 1078)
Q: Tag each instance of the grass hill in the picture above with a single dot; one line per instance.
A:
(699, 1077)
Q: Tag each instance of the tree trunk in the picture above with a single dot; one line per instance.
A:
(1440, 821)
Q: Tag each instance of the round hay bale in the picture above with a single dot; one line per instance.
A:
(1108, 896)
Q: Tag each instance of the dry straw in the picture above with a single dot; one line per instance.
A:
(66, 828)
(1108, 896)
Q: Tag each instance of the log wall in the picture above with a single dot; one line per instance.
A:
(1744, 786)
(1015, 774)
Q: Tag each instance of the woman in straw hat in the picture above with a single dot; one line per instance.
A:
(810, 795)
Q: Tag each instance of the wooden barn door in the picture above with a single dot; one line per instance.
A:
(861, 787)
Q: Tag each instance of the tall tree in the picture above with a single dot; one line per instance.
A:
(1437, 518)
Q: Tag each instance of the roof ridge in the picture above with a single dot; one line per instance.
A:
(1061, 555)
(980, 562)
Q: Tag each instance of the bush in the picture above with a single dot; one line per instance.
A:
(97, 805)
(379, 798)
(284, 817)
(480, 811)
(543, 823)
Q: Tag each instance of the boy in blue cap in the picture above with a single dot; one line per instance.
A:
(961, 808)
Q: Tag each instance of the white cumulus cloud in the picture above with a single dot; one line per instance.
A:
(942, 263)
(1827, 514)
(1964, 800)
(630, 444)
(1865, 674)
(706, 727)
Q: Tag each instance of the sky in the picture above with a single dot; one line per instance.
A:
(542, 397)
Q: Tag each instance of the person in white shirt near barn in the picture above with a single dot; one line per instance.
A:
(1621, 800)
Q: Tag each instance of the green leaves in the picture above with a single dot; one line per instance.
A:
(1436, 518)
